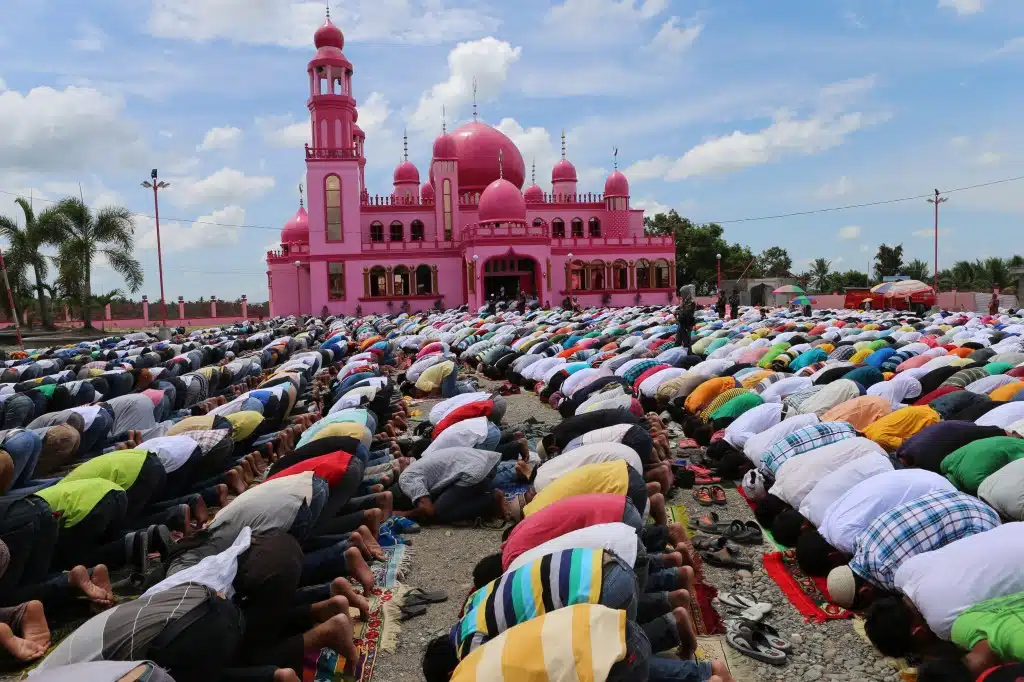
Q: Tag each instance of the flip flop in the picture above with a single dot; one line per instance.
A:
(418, 596)
(745, 643)
(736, 601)
(718, 495)
(748, 533)
(759, 632)
(703, 496)
(726, 558)
(756, 612)
(706, 480)
(410, 612)
(708, 524)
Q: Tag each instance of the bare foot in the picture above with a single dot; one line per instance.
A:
(21, 649)
(686, 577)
(503, 506)
(387, 505)
(671, 559)
(186, 520)
(370, 541)
(341, 586)
(324, 610)
(98, 594)
(358, 569)
(524, 449)
(33, 625)
(200, 513)
(524, 469)
(677, 533)
(222, 495)
(720, 672)
(335, 634)
(234, 481)
(356, 540)
(679, 599)
(687, 634)
(285, 675)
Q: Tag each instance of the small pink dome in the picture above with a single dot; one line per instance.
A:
(296, 229)
(502, 202)
(406, 173)
(444, 147)
(329, 35)
(563, 172)
(533, 194)
(427, 191)
(616, 185)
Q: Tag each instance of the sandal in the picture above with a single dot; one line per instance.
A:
(706, 544)
(708, 523)
(718, 495)
(417, 596)
(727, 558)
(410, 612)
(707, 480)
(745, 643)
(759, 632)
(703, 496)
(736, 601)
(748, 533)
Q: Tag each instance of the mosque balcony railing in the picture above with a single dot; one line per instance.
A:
(579, 242)
(327, 153)
(505, 231)
(372, 245)
(389, 201)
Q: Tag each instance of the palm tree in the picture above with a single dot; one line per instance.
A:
(25, 251)
(87, 234)
(997, 272)
(820, 268)
(917, 269)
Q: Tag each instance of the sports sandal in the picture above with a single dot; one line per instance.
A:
(760, 632)
(748, 533)
(703, 496)
(727, 558)
(709, 523)
(746, 644)
(718, 495)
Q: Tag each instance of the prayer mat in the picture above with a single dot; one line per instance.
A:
(808, 594)
(379, 632)
(514, 490)
(705, 619)
(387, 573)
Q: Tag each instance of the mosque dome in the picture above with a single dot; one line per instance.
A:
(477, 148)
(444, 147)
(329, 35)
(616, 185)
(533, 194)
(427, 191)
(406, 173)
(502, 202)
(296, 230)
(563, 171)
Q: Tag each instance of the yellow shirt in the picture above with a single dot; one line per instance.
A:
(431, 378)
(891, 430)
(243, 424)
(347, 430)
(1006, 392)
(859, 412)
(607, 477)
(203, 423)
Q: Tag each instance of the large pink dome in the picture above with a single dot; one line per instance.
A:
(329, 35)
(477, 146)
(502, 202)
(616, 185)
(296, 230)
(533, 194)
(406, 173)
(563, 172)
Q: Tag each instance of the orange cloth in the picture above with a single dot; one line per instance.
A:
(706, 392)
(860, 412)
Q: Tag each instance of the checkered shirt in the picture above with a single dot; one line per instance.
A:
(921, 525)
(808, 438)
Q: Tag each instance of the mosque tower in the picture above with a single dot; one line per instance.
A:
(616, 201)
(563, 178)
(444, 175)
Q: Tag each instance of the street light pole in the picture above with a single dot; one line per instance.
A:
(718, 259)
(935, 276)
(157, 185)
(10, 298)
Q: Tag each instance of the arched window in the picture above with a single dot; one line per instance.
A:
(378, 281)
(558, 228)
(643, 274)
(397, 231)
(332, 204)
(376, 231)
(595, 227)
(403, 280)
(597, 275)
(416, 231)
(661, 274)
(620, 275)
(577, 227)
(424, 281)
(578, 275)
(335, 280)
(537, 222)
(446, 198)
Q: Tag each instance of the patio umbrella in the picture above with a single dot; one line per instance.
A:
(803, 300)
(789, 289)
(904, 287)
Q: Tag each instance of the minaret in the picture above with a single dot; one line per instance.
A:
(406, 178)
(563, 178)
(444, 172)
(616, 201)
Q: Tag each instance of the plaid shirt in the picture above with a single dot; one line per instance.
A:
(808, 438)
(921, 525)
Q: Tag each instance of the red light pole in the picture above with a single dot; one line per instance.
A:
(935, 277)
(156, 186)
(718, 258)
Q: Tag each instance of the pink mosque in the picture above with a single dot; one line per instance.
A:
(466, 233)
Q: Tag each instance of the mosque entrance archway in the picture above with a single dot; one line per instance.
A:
(505, 276)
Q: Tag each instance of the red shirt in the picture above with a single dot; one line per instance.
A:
(330, 467)
(564, 516)
(937, 393)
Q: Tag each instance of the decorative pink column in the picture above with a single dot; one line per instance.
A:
(181, 307)
(213, 306)
(145, 309)
(106, 312)
(245, 308)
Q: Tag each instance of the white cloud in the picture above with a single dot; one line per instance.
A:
(987, 159)
(90, 38)
(66, 130)
(1011, 46)
(175, 236)
(226, 186)
(166, 133)
(3, 85)
(853, 19)
(485, 61)
(671, 38)
(963, 7)
(536, 145)
(929, 232)
(834, 190)
(738, 150)
(651, 206)
(849, 232)
(220, 138)
(593, 21)
(960, 141)
(374, 113)
(281, 131)
(291, 23)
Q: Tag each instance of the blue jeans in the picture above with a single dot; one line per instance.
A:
(664, 580)
(493, 437)
(24, 448)
(451, 386)
(324, 565)
(619, 588)
(309, 514)
(661, 669)
(635, 665)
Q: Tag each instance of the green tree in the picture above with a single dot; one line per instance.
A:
(696, 248)
(819, 273)
(888, 261)
(917, 269)
(854, 279)
(86, 234)
(996, 272)
(774, 262)
(25, 250)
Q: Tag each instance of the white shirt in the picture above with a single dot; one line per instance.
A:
(798, 475)
(780, 389)
(620, 400)
(1003, 416)
(649, 385)
(947, 581)
(752, 422)
(583, 378)
(608, 434)
(216, 572)
(445, 407)
(990, 383)
(897, 390)
(172, 451)
(88, 412)
(757, 445)
(593, 453)
(617, 538)
(466, 433)
(836, 484)
(853, 512)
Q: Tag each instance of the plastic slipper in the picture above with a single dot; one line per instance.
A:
(756, 612)
(418, 596)
(748, 533)
(744, 643)
(726, 558)
(707, 480)
(703, 496)
(718, 495)
(708, 523)
(410, 612)
(758, 632)
(736, 601)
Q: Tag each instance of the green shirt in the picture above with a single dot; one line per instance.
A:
(994, 368)
(968, 466)
(999, 620)
(737, 406)
(120, 467)
(73, 500)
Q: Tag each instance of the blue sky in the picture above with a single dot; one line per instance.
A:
(722, 109)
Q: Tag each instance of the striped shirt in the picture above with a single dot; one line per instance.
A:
(720, 400)
(808, 438)
(921, 525)
(554, 581)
